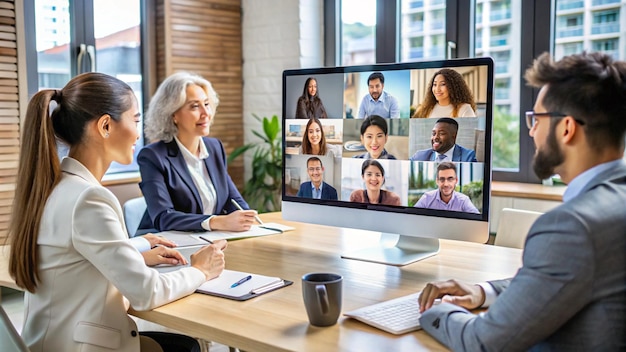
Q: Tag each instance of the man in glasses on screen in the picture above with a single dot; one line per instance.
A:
(316, 188)
(570, 293)
(445, 197)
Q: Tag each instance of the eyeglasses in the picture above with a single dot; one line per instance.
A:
(531, 117)
(312, 169)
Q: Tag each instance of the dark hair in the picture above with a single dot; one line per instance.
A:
(374, 120)
(449, 121)
(376, 75)
(458, 92)
(314, 158)
(307, 148)
(446, 165)
(84, 98)
(372, 162)
(590, 87)
(305, 91)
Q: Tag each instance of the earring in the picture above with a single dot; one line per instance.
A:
(106, 135)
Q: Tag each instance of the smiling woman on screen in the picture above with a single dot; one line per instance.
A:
(373, 175)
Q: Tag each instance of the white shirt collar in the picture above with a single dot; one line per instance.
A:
(204, 153)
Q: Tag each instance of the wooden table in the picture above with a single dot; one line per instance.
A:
(527, 190)
(277, 321)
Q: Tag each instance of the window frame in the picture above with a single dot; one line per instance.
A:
(538, 18)
(82, 31)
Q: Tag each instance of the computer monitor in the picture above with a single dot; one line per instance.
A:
(394, 183)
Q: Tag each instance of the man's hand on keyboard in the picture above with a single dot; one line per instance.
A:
(451, 291)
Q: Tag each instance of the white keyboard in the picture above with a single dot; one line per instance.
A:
(396, 316)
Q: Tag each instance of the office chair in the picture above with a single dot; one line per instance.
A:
(133, 212)
(10, 340)
(513, 227)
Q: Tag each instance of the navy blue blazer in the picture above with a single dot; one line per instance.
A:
(459, 154)
(172, 198)
(328, 191)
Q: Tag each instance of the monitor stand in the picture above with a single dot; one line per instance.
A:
(405, 250)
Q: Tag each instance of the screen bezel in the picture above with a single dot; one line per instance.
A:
(484, 61)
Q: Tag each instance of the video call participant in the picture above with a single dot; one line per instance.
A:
(448, 96)
(69, 248)
(314, 140)
(184, 177)
(316, 188)
(373, 175)
(374, 133)
(444, 147)
(445, 197)
(378, 102)
(309, 103)
(570, 293)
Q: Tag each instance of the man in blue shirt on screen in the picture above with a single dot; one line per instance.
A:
(445, 197)
(378, 102)
(316, 188)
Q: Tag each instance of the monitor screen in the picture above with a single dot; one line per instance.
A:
(402, 149)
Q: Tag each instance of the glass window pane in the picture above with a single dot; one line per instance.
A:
(423, 30)
(52, 24)
(358, 31)
(599, 28)
(118, 51)
(498, 23)
(590, 25)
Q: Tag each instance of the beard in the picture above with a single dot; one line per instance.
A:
(547, 159)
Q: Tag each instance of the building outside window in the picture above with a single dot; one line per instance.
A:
(513, 33)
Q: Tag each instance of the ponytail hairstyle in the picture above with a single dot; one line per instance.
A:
(85, 98)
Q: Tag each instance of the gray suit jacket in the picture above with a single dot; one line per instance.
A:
(569, 295)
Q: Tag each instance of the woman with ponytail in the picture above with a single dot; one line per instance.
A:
(69, 247)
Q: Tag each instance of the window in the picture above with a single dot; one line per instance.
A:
(81, 36)
(605, 22)
(429, 41)
(358, 26)
(513, 32)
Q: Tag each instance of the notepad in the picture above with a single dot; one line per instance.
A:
(257, 285)
(183, 239)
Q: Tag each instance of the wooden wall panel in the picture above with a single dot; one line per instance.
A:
(9, 113)
(204, 36)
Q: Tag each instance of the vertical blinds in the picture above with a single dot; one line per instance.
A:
(204, 36)
(9, 113)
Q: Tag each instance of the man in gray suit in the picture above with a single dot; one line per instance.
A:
(570, 294)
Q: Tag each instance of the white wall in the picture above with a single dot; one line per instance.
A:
(277, 35)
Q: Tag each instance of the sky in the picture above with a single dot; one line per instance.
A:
(121, 13)
(363, 11)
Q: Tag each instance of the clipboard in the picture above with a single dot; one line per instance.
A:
(256, 286)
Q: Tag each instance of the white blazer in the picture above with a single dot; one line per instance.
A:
(87, 266)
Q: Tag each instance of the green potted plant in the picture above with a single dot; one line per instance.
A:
(263, 190)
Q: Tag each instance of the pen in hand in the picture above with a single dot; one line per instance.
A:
(241, 281)
(206, 239)
(256, 217)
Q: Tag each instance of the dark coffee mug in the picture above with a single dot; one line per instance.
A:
(322, 297)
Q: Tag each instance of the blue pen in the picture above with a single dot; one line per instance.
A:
(241, 281)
